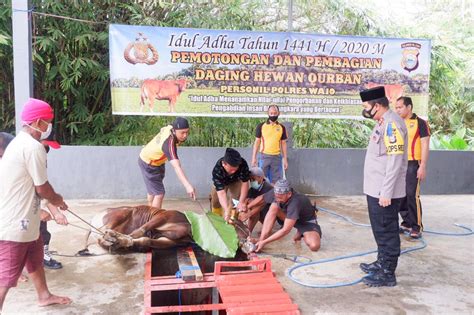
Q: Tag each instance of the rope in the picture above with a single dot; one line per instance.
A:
(100, 232)
(326, 260)
(423, 244)
(33, 11)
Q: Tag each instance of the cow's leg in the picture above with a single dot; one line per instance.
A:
(159, 243)
(142, 98)
(151, 102)
(172, 103)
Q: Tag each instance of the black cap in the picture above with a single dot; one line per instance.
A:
(372, 94)
(180, 123)
(232, 157)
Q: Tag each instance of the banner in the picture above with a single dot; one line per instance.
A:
(198, 72)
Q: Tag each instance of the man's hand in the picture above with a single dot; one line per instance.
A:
(61, 204)
(243, 216)
(260, 245)
(191, 191)
(385, 202)
(421, 174)
(254, 163)
(61, 219)
(45, 216)
(227, 216)
(285, 164)
(242, 206)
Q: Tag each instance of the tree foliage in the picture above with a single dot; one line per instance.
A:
(71, 65)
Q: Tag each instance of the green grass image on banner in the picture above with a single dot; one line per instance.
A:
(127, 100)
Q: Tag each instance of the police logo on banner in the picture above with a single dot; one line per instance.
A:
(139, 51)
(410, 53)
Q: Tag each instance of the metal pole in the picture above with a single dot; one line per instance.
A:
(290, 15)
(22, 56)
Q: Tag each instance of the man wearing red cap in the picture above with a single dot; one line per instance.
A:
(23, 182)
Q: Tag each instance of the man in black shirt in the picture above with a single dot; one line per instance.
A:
(295, 210)
(230, 177)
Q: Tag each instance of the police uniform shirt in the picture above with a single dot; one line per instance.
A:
(386, 159)
(271, 136)
(298, 207)
(221, 179)
(417, 129)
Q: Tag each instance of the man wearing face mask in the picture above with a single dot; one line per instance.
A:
(270, 142)
(257, 208)
(384, 184)
(162, 148)
(23, 181)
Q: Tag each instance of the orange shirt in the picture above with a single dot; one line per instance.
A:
(417, 129)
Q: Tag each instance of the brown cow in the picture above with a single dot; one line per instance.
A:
(392, 91)
(142, 228)
(161, 90)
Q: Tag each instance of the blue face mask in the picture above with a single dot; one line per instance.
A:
(255, 185)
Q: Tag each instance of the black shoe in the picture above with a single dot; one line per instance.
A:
(404, 229)
(52, 264)
(382, 278)
(415, 234)
(370, 268)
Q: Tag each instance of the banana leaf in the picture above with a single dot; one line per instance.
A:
(212, 234)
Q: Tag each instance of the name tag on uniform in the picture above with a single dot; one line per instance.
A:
(393, 140)
(376, 136)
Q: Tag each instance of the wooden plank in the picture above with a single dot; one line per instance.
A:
(244, 278)
(264, 265)
(147, 293)
(242, 290)
(185, 308)
(263, 309)
(249, 281)
(183, 286)
(273, 298)
(188, 265)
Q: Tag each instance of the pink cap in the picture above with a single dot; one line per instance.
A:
(35, 109)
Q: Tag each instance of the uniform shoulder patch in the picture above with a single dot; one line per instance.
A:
(393, 140)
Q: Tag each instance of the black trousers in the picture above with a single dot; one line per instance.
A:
(45, 233)
(384, 222)
(410, 210)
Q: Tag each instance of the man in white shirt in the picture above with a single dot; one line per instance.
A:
(23, 182)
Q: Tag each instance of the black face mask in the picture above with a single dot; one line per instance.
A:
(368, 113)
(273, 118)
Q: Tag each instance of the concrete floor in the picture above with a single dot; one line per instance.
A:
(436, 280)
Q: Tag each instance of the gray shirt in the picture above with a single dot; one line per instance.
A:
(386, 158)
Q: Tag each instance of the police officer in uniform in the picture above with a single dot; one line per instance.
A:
(384, 184)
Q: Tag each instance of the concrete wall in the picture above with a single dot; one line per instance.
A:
(88, 172)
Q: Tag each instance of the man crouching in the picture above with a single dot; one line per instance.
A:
(295, 210)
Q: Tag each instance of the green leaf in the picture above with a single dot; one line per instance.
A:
(458, 143)
(213, 234)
